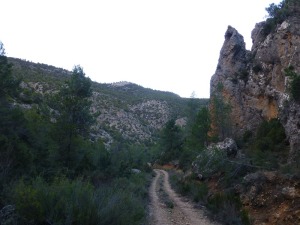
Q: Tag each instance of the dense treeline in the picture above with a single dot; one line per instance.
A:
(50, 170)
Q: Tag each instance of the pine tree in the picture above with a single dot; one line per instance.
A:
(73, 116)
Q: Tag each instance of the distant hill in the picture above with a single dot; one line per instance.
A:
(127, 112)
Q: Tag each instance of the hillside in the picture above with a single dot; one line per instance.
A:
(126, 110)
(73, 151)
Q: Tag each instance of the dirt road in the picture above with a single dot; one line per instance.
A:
(167, 208)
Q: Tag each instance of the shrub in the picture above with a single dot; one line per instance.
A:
(277, 14)
(226, 207)
(62, 202)
(268, 145)
(124, 201)
(210, 161)
(294, 87)
(121, 202)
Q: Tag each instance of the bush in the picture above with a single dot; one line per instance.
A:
(268, 145)
(124, 201)
(62, 202)
(121, 202)
(277, 14)
(226, 207)
(294, 87)
(210, 162)
(197, 191)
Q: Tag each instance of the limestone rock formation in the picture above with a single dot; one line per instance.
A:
(228, 145)
(254, 82)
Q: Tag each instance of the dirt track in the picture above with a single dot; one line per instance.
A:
(167, 208)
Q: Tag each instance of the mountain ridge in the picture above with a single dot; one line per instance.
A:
(126, 110)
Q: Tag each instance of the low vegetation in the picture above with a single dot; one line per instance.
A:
(294, 86)
(277, 14)
(222, 206)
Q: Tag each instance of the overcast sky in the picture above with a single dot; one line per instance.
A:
(169, 45)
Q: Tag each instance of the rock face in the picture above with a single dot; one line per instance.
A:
(270, 198)
(254, 82)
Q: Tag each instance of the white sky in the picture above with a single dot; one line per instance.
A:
(169, 45)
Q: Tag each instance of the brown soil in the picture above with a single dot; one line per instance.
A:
(179, 210)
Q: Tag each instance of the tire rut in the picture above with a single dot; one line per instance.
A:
(178, 212)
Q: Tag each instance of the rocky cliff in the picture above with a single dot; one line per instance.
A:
(254, 82)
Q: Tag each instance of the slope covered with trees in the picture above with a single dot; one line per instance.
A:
(50, 170)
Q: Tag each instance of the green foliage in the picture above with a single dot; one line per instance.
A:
(211, 161)
(124, 201)
(214, 162)
(73, 118)
(131, 94)
(226, 207)
(198, 137)
(193, 108)
(268, 147)
(294, 87)
(220, 114)
(126, 158)
(49, 76)
(184, 144)
(78, 202)
(40, 144)
(190, 187)
(171, 141)
(277, 14)
(63, 202)
(272, 133)
(110, 96)
(74, 105)
(8, 83)
(15, 155)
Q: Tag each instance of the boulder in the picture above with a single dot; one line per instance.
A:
(228, 145)
(136, 171)
(289, 192)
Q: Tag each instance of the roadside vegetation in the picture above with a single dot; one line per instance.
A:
(210, 176)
